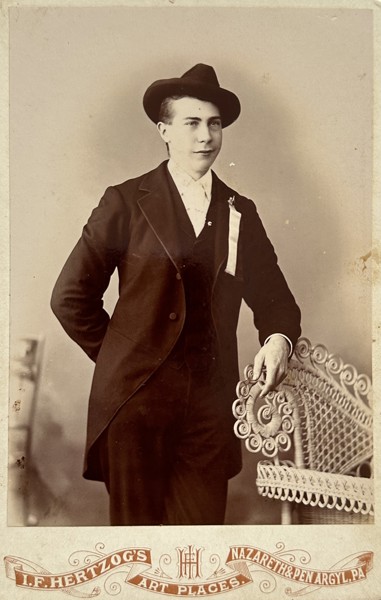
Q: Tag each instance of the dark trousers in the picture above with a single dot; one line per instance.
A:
(164, 454)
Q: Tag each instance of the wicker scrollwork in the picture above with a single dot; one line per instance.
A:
(266, 426)
(324, 407)
(333, 367)
(324, 490)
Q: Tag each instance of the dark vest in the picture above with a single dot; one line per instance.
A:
(197, 345)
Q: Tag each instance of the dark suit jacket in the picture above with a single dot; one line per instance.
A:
(134, 230)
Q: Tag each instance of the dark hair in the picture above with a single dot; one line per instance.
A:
(165, 112)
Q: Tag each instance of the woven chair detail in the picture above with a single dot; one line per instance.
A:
(322, 415)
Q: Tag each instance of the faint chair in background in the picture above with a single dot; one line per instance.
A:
(25, 374)
(322, 415)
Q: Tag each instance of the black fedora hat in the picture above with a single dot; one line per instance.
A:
(199, 82)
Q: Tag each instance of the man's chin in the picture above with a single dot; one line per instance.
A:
(203, 162)
(198, 166)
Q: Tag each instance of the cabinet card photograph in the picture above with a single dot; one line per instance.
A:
(193, 278)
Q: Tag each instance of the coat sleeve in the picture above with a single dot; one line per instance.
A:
(265, 289)
(77, 298)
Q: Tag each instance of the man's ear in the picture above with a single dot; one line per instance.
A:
(163, 130)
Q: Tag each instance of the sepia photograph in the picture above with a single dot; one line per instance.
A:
(192, 264)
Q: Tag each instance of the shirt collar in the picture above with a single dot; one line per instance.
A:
(183, 180)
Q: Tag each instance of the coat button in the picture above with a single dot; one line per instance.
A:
(173, 316)
(178, 276)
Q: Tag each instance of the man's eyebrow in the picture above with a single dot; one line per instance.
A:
(199, 119)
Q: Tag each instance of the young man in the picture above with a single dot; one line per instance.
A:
(188, 249)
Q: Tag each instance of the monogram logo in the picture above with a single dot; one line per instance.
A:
(189, 562)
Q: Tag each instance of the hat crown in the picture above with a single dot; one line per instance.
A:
(202, 74)
(198, 82)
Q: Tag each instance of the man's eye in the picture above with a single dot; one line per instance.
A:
(215, 124)
(193, 123)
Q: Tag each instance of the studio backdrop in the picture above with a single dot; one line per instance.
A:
(301, 149)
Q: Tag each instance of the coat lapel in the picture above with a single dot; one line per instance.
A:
(157, 205)
(220, 194)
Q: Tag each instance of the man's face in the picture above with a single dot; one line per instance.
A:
(194, 136)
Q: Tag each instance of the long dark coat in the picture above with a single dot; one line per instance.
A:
(134, 230)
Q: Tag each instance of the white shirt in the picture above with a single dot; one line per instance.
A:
(195, 194)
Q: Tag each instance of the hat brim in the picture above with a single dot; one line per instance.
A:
(226, 101)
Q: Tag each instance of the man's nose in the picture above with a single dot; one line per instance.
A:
(203, 132)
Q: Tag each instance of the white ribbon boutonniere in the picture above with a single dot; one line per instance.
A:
(234, 221)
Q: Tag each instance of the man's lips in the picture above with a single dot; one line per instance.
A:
(204, 151)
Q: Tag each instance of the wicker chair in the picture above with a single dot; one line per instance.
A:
(321, 415)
